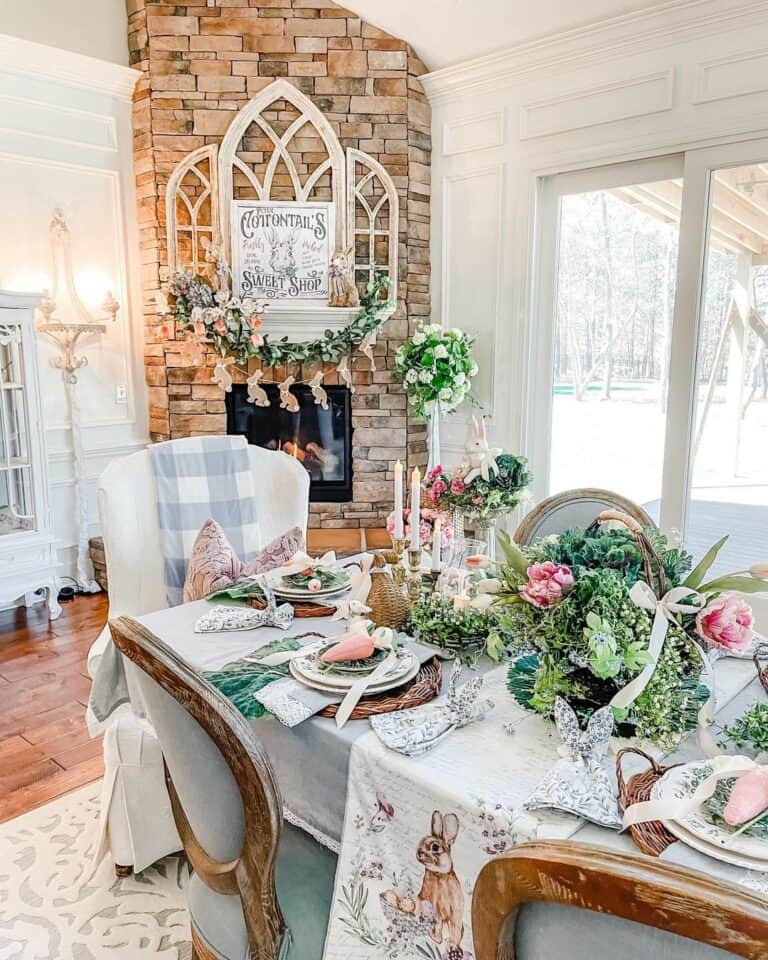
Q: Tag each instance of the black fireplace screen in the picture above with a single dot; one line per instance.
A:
(320, 439)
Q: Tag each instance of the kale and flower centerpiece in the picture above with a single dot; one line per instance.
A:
(591, 612)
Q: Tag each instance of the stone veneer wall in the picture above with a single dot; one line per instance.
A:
(201, 63)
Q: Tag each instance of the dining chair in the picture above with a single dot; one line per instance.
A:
(260, 888)
(574, 508)
(136, 833)
(565, 899)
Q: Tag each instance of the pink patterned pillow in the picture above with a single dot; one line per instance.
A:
(213, 564)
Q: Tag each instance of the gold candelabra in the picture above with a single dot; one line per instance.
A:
(414, 574)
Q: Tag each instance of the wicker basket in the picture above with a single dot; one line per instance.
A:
(652, 837)
(301, 609)
(652, 565)
(424, 687)
(389, 606)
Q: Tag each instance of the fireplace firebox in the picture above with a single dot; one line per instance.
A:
(320, 439)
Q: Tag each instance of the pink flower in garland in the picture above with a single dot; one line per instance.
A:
(726, 623)
(256, 339)
(220, 327)
(547, 584)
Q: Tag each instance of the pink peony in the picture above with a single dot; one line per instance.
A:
(438, 489)
(457, 486)
(547, 584)
(726, 623)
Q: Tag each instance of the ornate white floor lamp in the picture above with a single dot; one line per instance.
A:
(65, 334)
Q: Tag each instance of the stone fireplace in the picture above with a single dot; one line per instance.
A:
(202, 65)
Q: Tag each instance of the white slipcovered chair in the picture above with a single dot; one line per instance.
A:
(137, 824)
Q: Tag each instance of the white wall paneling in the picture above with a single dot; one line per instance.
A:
(681, 75)
(66, 143)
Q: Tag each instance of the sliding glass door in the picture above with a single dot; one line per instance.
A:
(650, 373)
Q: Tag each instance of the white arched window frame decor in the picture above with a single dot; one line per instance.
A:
(252, 114)
(197, 228)
(373, 208)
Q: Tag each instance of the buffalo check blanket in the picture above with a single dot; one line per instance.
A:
(197, 479)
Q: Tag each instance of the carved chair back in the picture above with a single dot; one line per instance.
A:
(574, 508)
(224, 793)
(626, 886)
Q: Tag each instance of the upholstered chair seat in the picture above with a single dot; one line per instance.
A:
(304, 880)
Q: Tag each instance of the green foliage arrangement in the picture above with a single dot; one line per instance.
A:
(465, 634)
(234, 325)
(436, 365)
(578, 633)
(480, 500)
(750, 730)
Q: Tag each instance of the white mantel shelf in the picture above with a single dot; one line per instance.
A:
(306, 319)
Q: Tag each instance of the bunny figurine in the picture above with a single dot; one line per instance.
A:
(343, 290)
(480, 459)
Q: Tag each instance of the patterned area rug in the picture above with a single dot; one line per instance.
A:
(52, 909)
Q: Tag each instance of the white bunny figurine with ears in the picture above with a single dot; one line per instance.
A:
(480, 459)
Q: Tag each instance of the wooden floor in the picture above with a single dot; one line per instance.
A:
(45, 749)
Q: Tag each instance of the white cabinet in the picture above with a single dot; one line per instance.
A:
(27, 556)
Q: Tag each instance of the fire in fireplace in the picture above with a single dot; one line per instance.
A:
(320, 439)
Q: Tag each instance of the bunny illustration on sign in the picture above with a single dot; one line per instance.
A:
(480, 459)
(287, 400)
(257, 394)
(282, 256)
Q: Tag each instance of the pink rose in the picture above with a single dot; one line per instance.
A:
(457, 486)
(438, 489)
(256, 339)
(434, 472)
(547, 584)
(726, 622)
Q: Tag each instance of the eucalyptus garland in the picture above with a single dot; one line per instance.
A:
(233, 325)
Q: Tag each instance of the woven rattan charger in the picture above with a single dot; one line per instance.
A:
(424, 687)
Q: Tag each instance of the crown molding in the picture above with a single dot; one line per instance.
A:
(660, 25)
(25, 58)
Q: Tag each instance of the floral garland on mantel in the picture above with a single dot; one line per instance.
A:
(204, 307)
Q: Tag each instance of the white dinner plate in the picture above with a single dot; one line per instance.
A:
(306, 669)
(295, 593)
(677, 784)
(382, 687)
(724, 854)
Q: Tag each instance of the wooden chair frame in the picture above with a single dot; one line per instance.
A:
(531, 521)
(629, 886)
(251, 875)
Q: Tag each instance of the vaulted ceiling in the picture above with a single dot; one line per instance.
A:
(444, 32)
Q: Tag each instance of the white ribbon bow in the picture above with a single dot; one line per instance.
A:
(664, 613)
(301, 561)
(353, 604)
(677, 809)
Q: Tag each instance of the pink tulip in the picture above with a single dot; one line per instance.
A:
(547, 584)
(749, 797)
(726, 623)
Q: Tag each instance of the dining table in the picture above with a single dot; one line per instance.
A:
(376, 807)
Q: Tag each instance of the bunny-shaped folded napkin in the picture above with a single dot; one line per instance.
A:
(579, 783)
(417, 730)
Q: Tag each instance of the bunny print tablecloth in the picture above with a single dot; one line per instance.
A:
(418, 830)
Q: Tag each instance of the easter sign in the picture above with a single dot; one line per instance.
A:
(281, 251)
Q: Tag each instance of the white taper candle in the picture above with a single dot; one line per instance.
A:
(398, 533)
(415, 509)
(436, 537)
